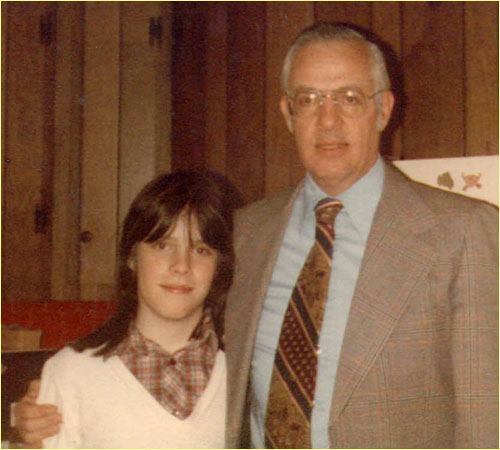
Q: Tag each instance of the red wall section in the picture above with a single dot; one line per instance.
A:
(61, 322)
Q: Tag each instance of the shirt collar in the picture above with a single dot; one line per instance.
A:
(176, 381)
(360, 200)
(135, 341)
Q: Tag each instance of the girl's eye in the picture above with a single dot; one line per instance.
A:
(203, 250)
(160, 245)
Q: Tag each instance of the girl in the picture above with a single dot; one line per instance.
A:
(154, 375)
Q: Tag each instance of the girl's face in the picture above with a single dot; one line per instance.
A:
(174, 275)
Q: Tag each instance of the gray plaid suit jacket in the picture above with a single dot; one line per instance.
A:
(419, 361)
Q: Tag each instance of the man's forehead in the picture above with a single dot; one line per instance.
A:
(334, 48)
(319, 64)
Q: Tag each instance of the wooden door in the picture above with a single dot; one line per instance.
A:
(27, 150)
(86, 124)
(126, 125)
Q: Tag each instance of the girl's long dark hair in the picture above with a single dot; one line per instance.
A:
(156, 208)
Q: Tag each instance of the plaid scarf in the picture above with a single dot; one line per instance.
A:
(177, 380)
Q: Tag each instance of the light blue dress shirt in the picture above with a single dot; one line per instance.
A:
(352, 227)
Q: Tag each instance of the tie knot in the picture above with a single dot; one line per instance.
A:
(326, 210)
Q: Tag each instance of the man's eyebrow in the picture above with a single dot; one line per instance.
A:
(305, 88)
(340, 88)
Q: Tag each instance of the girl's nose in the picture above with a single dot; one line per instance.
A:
(181, 262)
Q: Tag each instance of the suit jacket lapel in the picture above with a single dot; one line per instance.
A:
(395, 259)
(257, 245)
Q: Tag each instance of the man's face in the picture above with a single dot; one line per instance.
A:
(336, 150)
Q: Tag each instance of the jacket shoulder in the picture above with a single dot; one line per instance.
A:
(260, 210)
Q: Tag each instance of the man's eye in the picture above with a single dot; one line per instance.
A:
(350, 99)
(305, 99)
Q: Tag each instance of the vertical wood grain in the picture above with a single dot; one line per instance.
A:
(481, 78)
(67, 149)
(137, 100)
(216, 76)
(386, 23)
(355, 13)
(100, 148)
(284, 21)
(188, 85)
(25, 251)
(163, 93)
(434, 79)
(4, 7)
(48, 109)
(245, 96)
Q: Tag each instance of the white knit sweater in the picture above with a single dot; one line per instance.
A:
(104, 406)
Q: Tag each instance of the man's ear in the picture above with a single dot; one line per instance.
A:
(385, 110)
(285, 111)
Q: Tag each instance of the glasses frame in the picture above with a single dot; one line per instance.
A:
(322, 94)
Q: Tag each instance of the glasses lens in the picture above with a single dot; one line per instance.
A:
(351, 102)
(305, 102)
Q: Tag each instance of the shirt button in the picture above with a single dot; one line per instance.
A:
(172, 362)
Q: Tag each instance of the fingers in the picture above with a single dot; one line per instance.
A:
(33, 439)
(36, 444)
(33, 390)
(26, 409)
(36, 422)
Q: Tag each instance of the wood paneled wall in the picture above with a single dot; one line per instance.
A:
(100, 96)
(228, 56)
(85, 124)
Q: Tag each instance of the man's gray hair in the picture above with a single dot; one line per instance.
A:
(328, 32)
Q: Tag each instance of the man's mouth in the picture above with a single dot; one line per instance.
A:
(331, 146)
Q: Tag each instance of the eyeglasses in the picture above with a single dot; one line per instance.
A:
(351, 102)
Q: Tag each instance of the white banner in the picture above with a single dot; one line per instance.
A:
(474, 176)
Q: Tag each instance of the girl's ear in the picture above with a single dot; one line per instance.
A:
(131, 263)
(132, 260)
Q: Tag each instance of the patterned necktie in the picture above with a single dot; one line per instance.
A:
(291, 394)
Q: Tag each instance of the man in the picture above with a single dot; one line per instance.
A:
(407, 354)
(409, 335)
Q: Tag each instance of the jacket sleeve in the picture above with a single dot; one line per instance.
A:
(475, 333)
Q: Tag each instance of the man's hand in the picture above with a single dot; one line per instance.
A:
(35, 422)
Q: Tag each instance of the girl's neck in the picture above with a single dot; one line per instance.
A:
(171, 336)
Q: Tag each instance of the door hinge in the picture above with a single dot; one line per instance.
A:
(46, 29)
(42, 215)
(155, 31)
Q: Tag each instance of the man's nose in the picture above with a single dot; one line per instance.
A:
(329, 114)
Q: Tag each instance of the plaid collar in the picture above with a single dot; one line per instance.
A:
(176, 380)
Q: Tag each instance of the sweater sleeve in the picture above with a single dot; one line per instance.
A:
(59, 387)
